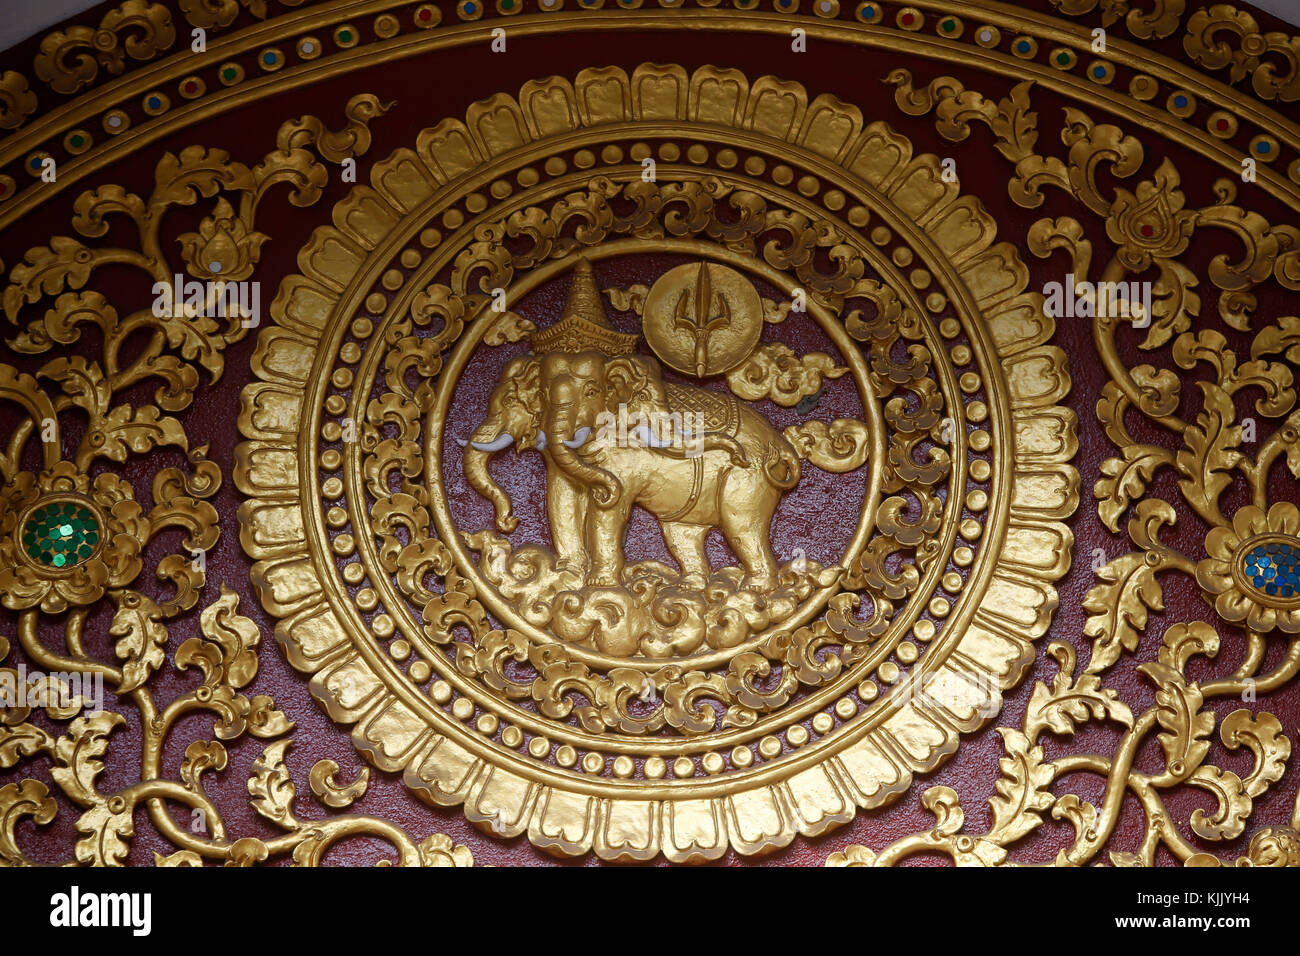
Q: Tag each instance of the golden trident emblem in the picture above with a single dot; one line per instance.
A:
(698, 323)
(717, 308)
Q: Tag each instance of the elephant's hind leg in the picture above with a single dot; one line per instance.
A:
(686, 544)
(747, 532)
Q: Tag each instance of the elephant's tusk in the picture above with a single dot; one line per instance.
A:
(579, 438)
(647, 437)
(541, 440)
(496, 444)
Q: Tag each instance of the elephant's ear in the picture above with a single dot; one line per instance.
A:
(528, 381)
(523, 379)
(635, 381)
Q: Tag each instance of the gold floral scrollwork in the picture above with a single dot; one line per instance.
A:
(1160, 20)
(1251, 568)
(845, 293)
(219, 13)
(17, 101)
(1224, 37)
(73, 537)
(70, 60)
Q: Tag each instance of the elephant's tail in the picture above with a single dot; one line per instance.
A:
(781, 465)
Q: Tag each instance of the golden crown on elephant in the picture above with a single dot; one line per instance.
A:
(583, 326)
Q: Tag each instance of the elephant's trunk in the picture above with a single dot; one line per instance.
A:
(605, 488)
(476, 471)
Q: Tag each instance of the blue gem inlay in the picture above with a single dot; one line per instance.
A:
(1275, 569)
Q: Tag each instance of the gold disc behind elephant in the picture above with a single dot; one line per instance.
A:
(703, 319)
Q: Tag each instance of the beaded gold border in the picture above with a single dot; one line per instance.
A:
(116, 98)
(822, 786)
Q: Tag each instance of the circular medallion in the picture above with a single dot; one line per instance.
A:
(702, 319)
(658, 517)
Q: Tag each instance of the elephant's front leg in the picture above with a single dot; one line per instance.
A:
(606, 540)
(566, 505)
(686, 544)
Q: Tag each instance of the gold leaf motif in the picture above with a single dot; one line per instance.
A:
(235, 635)
(142, 639)
(1210, 452)
(1183, 641)
(179, 858)
(945, 804)
(440, 851)
(1205, 42)
(1021, 793)
(1174, 304)
(1083, 816)
(1264, 737)
(1125, 480)
(77, 755)
(330, 791)
(1178, 710)
(335, 146)
(272, 788)
(1234, 804)
(30, 798)
(201, 756)
(853, 855)
(1069, 702)
(45, 270)
(19, 740)
(106, 833)
(1117, 608)
(1284, 337)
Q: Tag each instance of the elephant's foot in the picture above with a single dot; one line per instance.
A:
(694, 582)
(603, 579)
(761, 583)
(573, 567)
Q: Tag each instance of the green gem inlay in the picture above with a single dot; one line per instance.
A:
(60, 534)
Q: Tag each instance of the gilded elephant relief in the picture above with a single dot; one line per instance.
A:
(614, 436)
